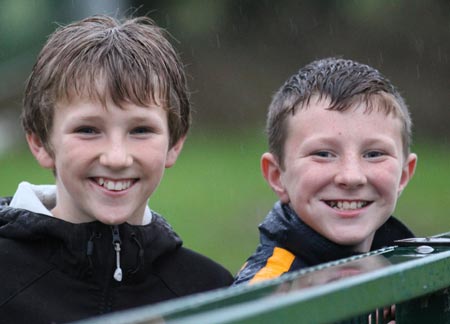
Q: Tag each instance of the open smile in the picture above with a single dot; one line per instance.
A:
(347, 204)
(114, 185)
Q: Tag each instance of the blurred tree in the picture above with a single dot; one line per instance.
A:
(238, 52)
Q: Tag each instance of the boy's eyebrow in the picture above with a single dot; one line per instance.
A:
(322, 140)
(384, 140)
(330, 140)
(88, 118)
(137, 117)
(141, 119)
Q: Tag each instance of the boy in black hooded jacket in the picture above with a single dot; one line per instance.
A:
(106, 108)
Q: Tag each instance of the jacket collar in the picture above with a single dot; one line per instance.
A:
(283, 226)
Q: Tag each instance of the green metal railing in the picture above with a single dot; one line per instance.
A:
(414, 276)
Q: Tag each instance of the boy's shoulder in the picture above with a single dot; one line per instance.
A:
(186, 272)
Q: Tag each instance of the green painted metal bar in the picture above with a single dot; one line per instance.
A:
(417, 282)
(341, 300)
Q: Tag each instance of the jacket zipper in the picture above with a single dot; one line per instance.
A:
(116, 241)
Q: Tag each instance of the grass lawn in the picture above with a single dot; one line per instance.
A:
(215, 197)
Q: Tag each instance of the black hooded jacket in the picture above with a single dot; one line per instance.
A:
(53, 271)
(288, 244)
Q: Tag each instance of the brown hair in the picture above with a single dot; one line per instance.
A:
(345, 83)
(133, 59)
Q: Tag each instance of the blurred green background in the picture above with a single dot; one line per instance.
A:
(237, 53)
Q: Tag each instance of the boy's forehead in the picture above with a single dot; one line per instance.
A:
(104, 99)
(105, 91)
(319, 111)
(382, 103)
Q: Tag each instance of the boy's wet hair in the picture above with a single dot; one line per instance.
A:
(346, 84)
(99, 58)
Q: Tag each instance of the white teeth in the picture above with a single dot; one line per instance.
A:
(109, 185)
(114, 185)
(347, 205)
(118, 186)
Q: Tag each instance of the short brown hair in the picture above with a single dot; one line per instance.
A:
(133, 58)
(345, 83)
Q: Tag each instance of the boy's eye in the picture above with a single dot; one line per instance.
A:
(141, 130)
(373, 154)
(323, 154)
(86, 130)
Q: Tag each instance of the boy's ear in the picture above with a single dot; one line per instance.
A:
(43, 157)
(407, 172)
(272, 172)
(174, 151)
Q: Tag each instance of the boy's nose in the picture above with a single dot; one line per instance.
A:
(116, 156)
(350, 175)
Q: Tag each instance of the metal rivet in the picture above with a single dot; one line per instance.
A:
(424, 249)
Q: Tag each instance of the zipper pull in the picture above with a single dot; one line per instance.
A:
(116, 242)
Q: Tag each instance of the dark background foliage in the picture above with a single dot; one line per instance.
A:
(238, 52)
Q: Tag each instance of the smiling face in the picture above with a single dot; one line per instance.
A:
(108, 161)
(342, 172)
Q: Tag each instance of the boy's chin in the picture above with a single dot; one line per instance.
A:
(361, 245)
(358, 243)
(118, 220)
